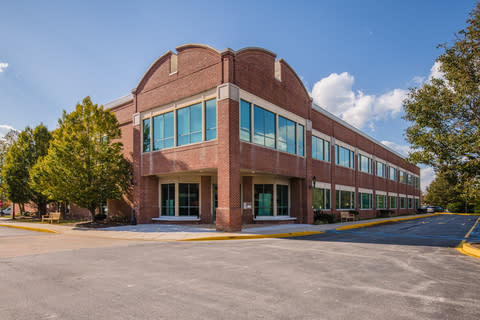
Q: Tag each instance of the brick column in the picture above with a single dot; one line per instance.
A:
(229, 213)
(206, 200)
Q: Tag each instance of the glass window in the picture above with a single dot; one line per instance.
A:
(365, 200)
(301, 143)
(282, 200)
(380, 169)
(381, 201)
(189, 124)
(365, 163)
(410, 203)
(393, 202)
(344, 157)
(402, 203)
(163, 128)
(168, 199)
(320, 149)
(146, 135)
(287, 139)
(264, 127)
(345, 199)
(417, 203)
(392, 173)
(210, 119)
(263, 199)
(321, 199)
(188, 199)
(245, 118)
(401, 177)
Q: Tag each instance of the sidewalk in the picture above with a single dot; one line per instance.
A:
(164, 232)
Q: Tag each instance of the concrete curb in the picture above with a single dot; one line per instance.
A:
(466, 248)
(373, 223)
(256, 236)
(27, 228)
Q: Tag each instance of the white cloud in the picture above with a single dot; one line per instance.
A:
(335, 93)
(417, 80)
(4, 129)
(402, 149)
(427, 175)
(435, 71)
(3, 66)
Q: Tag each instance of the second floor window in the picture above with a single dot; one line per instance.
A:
(344, 157)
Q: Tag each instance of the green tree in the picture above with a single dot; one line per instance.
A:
(5, 144)
(84, 163)
(445, 112)
(442, 191)
(22, 155)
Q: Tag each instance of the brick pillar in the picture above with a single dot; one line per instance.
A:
(306, 184)
(149, 200)
(229, 213)
(136, 164)
(206, 199)
(247, 216)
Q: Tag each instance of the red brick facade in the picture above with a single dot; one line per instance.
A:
(198, 72)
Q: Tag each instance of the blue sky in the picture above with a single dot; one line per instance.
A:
(356, 57)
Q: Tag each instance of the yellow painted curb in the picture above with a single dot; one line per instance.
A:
(460, 214)
(27, 228)
(467, 249)
(369, 224)
(256, 236)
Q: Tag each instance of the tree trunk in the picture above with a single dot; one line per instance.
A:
(92, 212)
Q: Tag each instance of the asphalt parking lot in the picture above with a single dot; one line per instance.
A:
(407, 270)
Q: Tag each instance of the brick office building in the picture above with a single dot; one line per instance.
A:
(232, 137)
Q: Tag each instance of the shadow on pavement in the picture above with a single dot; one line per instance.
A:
(438, 231)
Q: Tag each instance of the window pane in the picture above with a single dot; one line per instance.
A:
(282, 200)
(326, 151)
(327, 199)
(320, 149)
(282, 134)
(188, 199)
(263, 199)
(269, 129)
(314, 147)
(168, 199)
(301, 140)
(291, 137)
(259, 126)
(211, 119)
(245, 121)
(146, 135)
(345, 199)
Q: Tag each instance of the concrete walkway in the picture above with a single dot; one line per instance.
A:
(165, 232)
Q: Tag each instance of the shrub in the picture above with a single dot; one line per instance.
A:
(355, 212)
(456, 207)
(100, 217)
(119, 219)
(384, 213)
(319, 216)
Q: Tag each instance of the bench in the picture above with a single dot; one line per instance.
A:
(52, 216)
(347, 216)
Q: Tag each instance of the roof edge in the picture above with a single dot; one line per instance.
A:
(118, 102)
(330, 115)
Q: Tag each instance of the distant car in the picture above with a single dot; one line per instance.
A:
(7, 211)
(432, 209)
